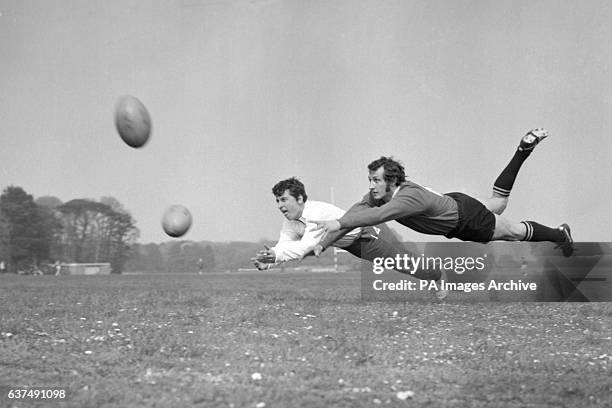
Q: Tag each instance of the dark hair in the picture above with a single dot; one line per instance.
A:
(295, 187)
(393, 169)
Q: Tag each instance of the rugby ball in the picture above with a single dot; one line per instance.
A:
(176, 221)
(132, 121)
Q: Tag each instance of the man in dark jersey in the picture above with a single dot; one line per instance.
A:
(454, 215)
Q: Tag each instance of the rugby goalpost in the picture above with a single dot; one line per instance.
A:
(336, 249)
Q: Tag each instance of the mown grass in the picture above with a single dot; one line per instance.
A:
(294, 340)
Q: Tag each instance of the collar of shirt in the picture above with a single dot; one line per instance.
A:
(395, 192)
(309, 212)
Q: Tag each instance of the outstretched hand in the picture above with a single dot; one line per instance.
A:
(260, 265)
(264, 258)
(327, 226)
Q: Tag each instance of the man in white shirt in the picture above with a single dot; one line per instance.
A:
(299, 237)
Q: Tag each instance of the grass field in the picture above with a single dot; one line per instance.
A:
(293, 340)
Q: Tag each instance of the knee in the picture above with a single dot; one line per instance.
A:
(497, 204)
(517, 231)
(501, 207)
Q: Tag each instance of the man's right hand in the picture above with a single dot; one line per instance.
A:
(264, 258)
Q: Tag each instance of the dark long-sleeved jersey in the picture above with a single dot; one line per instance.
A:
(413, 205)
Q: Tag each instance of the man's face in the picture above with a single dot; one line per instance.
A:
(289, 206)
(379, 188)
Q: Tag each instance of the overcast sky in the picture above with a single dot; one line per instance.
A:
(243, 94)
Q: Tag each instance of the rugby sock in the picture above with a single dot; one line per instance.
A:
(538, 232)
(505, 181)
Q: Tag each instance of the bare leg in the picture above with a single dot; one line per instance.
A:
(496, 204)
(506, 230)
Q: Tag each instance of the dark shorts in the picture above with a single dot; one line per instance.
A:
(476, 222)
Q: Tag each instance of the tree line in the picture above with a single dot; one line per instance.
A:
(35, 233)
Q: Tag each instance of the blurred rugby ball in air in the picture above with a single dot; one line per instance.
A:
(132, 121)
(176, 221)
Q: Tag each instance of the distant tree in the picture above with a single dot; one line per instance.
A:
(122, 234)
(197, 255)
(26, 233)
(234, 255)
(48, 201)
(189, 257)
(79, 218)
(184, 256)
(174, 262)
(4, 236)
(136, 259)
(207, 254)
(51, 229)
(114, 204)
(145, 258)
(155, 260)
(47, 206)
(95, 232)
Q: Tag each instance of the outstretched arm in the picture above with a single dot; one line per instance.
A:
(375, 215)
(293, 250)
(330, 238)
(334, 232)
(290, 247)
(405, 205)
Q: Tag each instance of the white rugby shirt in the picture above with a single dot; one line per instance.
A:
(298, 238)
